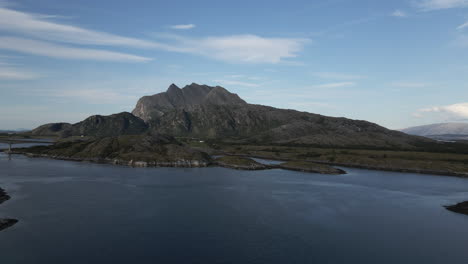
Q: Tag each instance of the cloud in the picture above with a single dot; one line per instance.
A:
(35, 25)
(429, 5)
(399, 13)
(183, 27)
(463, 26)
(48, 49)
(459, 110)
(239, 48)
(94, 96)
(236, 48)
(338, 76)
(7, 74)
(335, 85)
(409, 84)
(236, 83)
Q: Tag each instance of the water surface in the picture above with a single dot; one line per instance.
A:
(73, 212)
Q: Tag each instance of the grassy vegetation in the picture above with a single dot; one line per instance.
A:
(450, 163)
(239, 163)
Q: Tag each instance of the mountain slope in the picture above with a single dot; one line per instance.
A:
(96, 126)
(214, 113)
(438, 129)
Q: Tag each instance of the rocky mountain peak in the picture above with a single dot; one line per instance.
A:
(154, 106)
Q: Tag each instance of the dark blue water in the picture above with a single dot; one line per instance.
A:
(24, 145)
(73, 212)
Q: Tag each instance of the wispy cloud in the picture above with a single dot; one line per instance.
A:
(463, 26)
(429, 5)
(58, 51)
(338, 76)
(239, 48)
(409, 84)
(459, 110)
(399, 13)
(94, 96)
(236, 83)
(183, 26)
(36, 25)
(14, 74)
(335, 85)
(235, 48)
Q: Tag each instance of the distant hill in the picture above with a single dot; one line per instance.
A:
(19, 130)
(441, 131)
(96, 126)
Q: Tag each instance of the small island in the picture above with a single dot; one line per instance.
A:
(239, 163)
(461, 208)
(5, 222)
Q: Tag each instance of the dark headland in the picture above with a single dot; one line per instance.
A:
(461, 208)
(5, 222)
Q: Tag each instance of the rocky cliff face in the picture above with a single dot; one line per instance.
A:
(213, 112)
(149, 108)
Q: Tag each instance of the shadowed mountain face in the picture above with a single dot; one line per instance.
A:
(213, 112)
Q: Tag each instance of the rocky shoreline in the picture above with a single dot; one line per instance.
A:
(5, 222)
(182, 163)
(461, 208)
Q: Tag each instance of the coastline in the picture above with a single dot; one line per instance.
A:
(5, 222)
(366, 167)
(181, 164)
(200, 164)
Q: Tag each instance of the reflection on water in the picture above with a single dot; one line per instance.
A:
(73, 212)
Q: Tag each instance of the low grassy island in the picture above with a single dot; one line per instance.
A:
(310, 167)
(461, 208)
(240, 163)
(147, 150)
(5, 222)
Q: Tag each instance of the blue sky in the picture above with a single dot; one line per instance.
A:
(396, 63)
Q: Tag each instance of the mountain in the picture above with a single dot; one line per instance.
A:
(214, 113)
(441, 131)
(96, 126)
(51, 129)
(152, 107)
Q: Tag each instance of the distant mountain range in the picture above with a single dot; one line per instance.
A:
(441, 131)
(14, 130)
(214, 113)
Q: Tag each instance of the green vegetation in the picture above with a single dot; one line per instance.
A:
(424, 162)
(147, 150)
(237, 162)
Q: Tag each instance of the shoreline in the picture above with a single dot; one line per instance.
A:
(202, 164)
(5, 222)
(176, 164)
(366, 167)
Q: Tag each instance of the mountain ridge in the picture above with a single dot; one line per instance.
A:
(450, 128)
